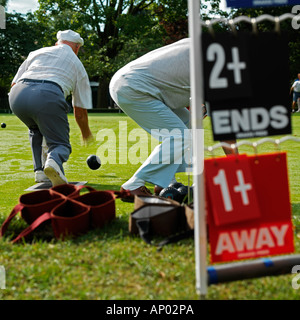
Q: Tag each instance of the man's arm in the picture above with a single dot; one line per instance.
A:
(81, 117)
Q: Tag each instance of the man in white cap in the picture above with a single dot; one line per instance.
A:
(38, 99)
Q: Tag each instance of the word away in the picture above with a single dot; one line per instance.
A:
(253, 241)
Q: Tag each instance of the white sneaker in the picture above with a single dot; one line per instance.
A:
(40, 176)
(54, 173)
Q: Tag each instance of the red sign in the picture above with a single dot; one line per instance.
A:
(248, 205)
(230, 181)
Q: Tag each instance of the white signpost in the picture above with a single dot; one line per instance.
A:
(196, 78)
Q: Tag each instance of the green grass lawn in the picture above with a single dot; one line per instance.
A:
(109, 263)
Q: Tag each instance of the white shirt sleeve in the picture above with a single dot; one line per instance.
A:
(20, 71)
(60, 65)
(82, 94)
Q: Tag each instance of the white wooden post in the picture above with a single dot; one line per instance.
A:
(196, 78)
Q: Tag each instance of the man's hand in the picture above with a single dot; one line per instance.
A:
(88, 140)
(81, 117)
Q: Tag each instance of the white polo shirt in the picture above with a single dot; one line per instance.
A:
(296, 86)
(61, 65)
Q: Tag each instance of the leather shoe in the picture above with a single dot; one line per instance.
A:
(157, 190)
(141, 191)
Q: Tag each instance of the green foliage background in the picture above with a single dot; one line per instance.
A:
(116, 32)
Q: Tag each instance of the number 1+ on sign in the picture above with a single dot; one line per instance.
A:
(242, 187)
(231, 190)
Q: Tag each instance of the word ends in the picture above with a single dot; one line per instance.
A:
(240, 123)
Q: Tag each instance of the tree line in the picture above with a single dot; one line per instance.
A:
(115, 33)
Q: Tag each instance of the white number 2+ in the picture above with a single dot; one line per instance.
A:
(215, 52)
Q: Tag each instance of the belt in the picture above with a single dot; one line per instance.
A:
(43, 81)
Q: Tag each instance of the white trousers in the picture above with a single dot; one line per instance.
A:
(171, 127)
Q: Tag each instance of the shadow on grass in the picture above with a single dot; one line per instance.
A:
(103, 187)
(116, 228)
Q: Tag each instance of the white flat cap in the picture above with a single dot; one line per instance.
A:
(69, 35)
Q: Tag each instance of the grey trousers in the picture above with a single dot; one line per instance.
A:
(42, 107)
